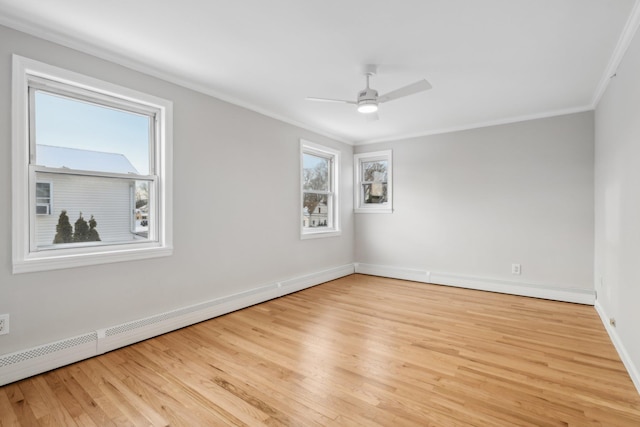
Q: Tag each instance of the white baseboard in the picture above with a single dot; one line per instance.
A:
(393, 272)
(303, 282)
(634, 373)
(557, 293)
(25, 363)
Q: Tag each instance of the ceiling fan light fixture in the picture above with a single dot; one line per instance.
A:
(367, 106)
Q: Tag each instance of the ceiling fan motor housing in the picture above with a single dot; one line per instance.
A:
(367, 94)
(367, 98)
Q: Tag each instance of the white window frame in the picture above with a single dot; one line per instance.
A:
(25, 259)
(333, 227)
(358, 196)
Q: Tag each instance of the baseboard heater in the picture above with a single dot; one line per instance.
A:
(25, 363)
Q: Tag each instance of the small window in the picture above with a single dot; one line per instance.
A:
(319, 183)
(373, 182)
(106, 151)
(43, 198)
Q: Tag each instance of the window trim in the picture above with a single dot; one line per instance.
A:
(358, 195)
(24, 72)
(307, 147)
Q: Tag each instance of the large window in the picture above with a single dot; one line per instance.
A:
(373, 182)
(319, 183)
(106, 152)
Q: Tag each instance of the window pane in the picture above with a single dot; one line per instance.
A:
(42, 209)
(315, 210)
(43, 190)
(315, 172)
(115, 205)
(374, 171)
(375, 192)
(141, 213)
(43, 198)
(74, 134)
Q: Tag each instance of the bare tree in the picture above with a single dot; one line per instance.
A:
(142, 193)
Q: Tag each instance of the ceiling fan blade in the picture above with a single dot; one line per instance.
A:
(342, 101)
(416, 87)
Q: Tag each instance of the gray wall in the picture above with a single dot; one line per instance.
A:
(474, 202)
(236, 213)
(617, 201)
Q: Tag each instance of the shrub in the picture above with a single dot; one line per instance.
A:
(64, 231)
(93, 235)
(81, 232)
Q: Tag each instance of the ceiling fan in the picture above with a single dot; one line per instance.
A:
(368, 99)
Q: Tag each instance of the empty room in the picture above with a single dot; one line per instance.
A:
(336, 213)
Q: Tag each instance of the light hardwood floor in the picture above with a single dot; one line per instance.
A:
(360, 351)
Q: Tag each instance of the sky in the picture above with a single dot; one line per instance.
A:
(64, 122)
(309, 161)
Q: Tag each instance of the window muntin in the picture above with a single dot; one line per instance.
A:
(373, 188)
(319, 197)
(97, 144)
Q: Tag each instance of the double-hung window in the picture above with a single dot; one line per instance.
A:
(106, 151)
(373, 182)
(319, 184)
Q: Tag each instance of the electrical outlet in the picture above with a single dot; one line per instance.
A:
(515, 269)
(4, 324)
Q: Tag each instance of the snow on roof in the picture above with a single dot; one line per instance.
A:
(76, 158)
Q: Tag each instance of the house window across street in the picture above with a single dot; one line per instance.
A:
(43, 198)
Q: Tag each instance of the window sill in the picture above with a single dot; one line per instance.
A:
(373, 210)
(319, 234)
(56, 260)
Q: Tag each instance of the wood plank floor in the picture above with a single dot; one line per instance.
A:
(361, 350)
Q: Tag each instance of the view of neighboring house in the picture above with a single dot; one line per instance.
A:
(317, 218)
(111, 201)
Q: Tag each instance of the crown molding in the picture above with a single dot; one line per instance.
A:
(628, 32)
(89, 48)
(478, 125)
(625, 39)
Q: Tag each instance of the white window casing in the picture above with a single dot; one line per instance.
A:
(28, 255)
(324, 221)
(373, 190)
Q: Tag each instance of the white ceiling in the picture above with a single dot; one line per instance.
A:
(489, 61)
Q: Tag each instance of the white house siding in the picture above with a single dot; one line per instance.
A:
(109, 200)
(318, 218)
